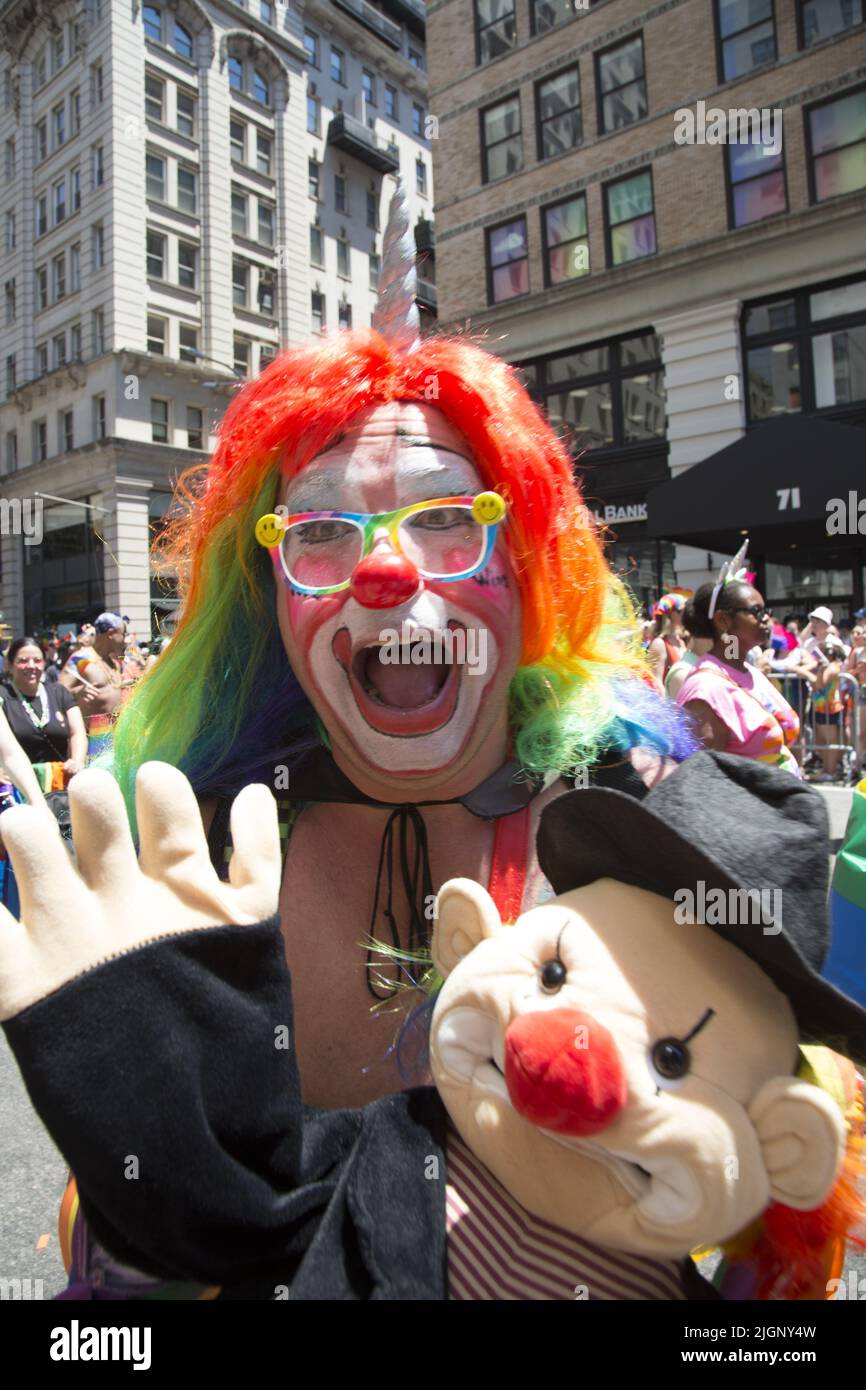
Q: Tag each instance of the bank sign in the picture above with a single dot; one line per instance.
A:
(616, 516)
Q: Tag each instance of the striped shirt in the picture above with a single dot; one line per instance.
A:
(498, 1251)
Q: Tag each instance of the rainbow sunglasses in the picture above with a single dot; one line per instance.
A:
(344, 548)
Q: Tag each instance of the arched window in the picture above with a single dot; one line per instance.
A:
(236, 74)
(261, 88)
(182, 41)
(153, 23)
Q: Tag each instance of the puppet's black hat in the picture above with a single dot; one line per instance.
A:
(720, 822)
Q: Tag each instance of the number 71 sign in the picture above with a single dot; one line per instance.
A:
(789, 498)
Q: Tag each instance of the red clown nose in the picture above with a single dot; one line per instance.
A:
(384, 580)
(563, 1071)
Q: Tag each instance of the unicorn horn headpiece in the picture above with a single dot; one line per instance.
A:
(731, 570)
(396, 315)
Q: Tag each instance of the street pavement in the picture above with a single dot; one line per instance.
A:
(33, 1174)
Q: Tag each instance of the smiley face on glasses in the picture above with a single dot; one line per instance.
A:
(269, 530)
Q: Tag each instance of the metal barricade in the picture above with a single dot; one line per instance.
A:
(839, 734)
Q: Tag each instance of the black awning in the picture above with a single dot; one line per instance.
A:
(782, 474)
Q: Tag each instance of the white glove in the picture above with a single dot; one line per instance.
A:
(72, 921)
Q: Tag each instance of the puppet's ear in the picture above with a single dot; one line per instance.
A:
(465, 915)
(802, 1138)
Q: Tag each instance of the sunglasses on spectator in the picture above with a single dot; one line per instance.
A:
(755, 610)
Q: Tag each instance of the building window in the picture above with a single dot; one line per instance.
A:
(391, 108)
(41, 133)
(9, 159)
(57, 48)
(375, 268)
(559, 120)
(98, 246)
(75, 343)
(621, 85)
(236, 74)
(547, 14)
(98, 166)
(182, 42)
(58, 350)
(241, 358)
(566, 241)
(156, 256)
(806, 351)
(59, 200)
(238, 141)
(194, 428)
(97, 86)
(313, 116)
(420, 177)
(75, 112)
(11, 374)
(756, 178)
(40, 441)
(187, 190)
(317, 311)
(416, 58)
(264, 148)
(186, 115)
(267, 354)
(10, 231)
(42, 215)
(154, 99)
(501, 140)
(368, 86)
(314, 172)
(604, 394)
(58, 278)
(155, 171)
(507, 261)
(188, 342)
(373, 211)
(40, 68)
(152, 19)
(266, 223)
(75, 180)
(10, 301)
(343, 256)
(157, 332)
(747, 35)
(341, 201)
(97, 329)
(240, 284)
(99, 417)
(311, 44)
(418, 115)
(11, 451)
(823, 19)
(317, 251)
(159, 421)
(266, 288)
(41, 277)
(66, 430)
(41, 359)
(495, 29)
(239, 214)
(338, 66)
(261, 88)
(836, 140)
(75, 267)
(630, 219)
(58, 120)
(187, 265)
(344, 315)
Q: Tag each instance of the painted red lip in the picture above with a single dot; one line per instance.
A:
(406, 721)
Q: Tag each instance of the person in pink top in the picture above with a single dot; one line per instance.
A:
(735, 707)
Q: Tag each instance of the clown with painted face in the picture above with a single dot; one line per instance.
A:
(398, 615)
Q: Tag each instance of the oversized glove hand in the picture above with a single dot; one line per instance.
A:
(72, 921)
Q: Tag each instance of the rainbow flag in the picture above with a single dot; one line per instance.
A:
(845, 966)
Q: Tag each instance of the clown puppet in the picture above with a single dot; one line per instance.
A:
(374, 495)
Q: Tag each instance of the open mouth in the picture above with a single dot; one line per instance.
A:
(407, 690)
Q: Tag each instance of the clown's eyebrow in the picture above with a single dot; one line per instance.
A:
(702, 1023)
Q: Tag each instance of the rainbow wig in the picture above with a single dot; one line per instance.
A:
(222, 703)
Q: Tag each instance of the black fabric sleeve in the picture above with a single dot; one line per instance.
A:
(63, 698)
(167, 1078)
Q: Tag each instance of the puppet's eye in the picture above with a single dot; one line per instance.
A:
(553, 976)
(671, 1058)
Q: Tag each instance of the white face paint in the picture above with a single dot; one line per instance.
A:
(404, 719)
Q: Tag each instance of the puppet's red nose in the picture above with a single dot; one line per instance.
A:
(384, 580)
(563, 1071)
